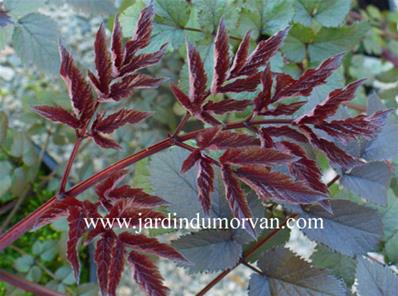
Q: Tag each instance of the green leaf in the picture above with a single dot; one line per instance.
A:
(294, 46)
(141, 175)
(34, 274)
(3, 127)
(23, 147)
(287, 274)
(328, 13)
(5, 180)
(35, 40)
(375, 279)
(24, 263)
(168, 22)
(209, 13)
(330, 41)
(339, 265)
(390, 222)
(18, 8)
(65, 275)
(209, 250)
(268, 16)
(94, 7)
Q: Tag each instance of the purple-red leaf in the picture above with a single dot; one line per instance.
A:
(190, 161)
(215, 138)
(249, 83)
(236, 199)
(78, 88)
(286, 86)
(117, 47)
(263, 52)
(221, 58)
(103, 61)
(104, 188)
(284, 131)
(150, 245)
(58, 114)
(205, 184)
(240, 56)
(197, 76)
(105, 141)
(76, 230)
(103, 259)
(57, 210)
(122, 117)
(142, 34)
(305, 168)
(263, 99)
(137, 197)
(129, 83)
(330, 105)
(332, 151)
(182, 98)
(116, 267)
(255, 155)
(227, 105)
(147, 275)
(284, 109)
(143, 60)
(277, 186)
(351, 128)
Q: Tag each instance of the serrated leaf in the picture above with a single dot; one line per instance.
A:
(76, 230)
(58, 115)
(351, 229)
(329, 13)
(116, 267)
(103, 258)
(35, 40)
(287, 274)
(375, 279)
(116, 120)
(147, 275)
(339, 265)
(369, 181)
(209, 250)
(286, 86)
(277, 186)
(331, 41)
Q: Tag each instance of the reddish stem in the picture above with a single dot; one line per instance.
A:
(26, 285)
(69, 164)
(28, 222)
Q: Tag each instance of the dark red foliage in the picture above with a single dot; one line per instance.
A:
(116, 267)
(76, 230)
(350, 128)
(221, 58)
(103, 259)
(236, 199)
(277, 186)
(286, 86)
(146, 274)
(304, 168)
(59, 115)
(246, 158)
(205, 183)
(217, 139)
(150, 245)
(331, 103)
(227, 105)
(255, 155)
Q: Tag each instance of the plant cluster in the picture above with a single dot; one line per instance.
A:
(270, 152)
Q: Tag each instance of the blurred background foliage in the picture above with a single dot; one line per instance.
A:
(33, 151)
